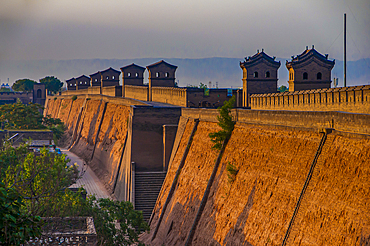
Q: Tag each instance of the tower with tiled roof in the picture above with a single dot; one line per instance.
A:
(132, 75)
(259, 75)
(309, 70)
(95, 79)
(109, 77)
(71, 84)
(82, 82)
(161, 74)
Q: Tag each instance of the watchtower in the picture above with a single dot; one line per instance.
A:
(132, 75)
(95, 79)
(82, 82)
(161, 74)
(109, 77)
(39, 93)
(259, 75)
(71, 84)
(309, 70)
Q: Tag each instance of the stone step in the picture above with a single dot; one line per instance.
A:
(147, 187)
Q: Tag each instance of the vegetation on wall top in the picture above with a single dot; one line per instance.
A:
(225, 121)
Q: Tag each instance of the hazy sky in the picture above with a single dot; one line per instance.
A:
(80, 29)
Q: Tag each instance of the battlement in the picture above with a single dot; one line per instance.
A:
(355, 99)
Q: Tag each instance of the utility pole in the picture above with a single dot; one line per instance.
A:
(345, 51)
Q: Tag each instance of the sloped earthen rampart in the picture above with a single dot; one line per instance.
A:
(272, 160)
(110, 133)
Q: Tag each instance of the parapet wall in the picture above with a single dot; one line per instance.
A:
(183, 97)
(136, 92)
(113, 91)
(354, 99)
(170, 95)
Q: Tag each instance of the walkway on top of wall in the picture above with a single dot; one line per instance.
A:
(158, 104)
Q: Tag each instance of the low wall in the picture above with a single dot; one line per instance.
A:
(113, 91)
(136, 92)
(170, 95)
(349, 99)
(24, 134)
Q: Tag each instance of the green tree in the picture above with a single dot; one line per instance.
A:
(107, 213)
(23, 85)
(41, 182)
(5, 89)
(52, 83)
(40, 179)
(16, 225)
(21, 116)
(225, 121)
(283, 88)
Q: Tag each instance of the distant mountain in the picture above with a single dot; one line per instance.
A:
(225, 71)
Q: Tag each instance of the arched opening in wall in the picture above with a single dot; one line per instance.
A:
(112, 77)
(267, 75)
(128, 74)
(166, 75)
(157, 74)
(80, 82)
(96, 80)
(38, 93)
(70, 85)
(305, 75)
(75, 84)
(107, 77)
(255, 74)
(319, 76)
(136, 75)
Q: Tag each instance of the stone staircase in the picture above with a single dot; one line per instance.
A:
(147, 188)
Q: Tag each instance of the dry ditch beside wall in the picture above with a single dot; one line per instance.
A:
(256, 208)
(110, 138)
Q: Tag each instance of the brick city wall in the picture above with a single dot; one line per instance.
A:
(355, 99)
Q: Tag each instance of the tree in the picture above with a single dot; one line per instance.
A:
(107, 213)
(52, 83)
(16, 225)
(4, 89)
(283, 88)
(21, 116)
(39, 183)
(23, 85)
(225, 121)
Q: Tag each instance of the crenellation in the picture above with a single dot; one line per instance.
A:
(354, 99)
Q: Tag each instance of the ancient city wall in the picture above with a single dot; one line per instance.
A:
(183, 97)
(110, 133)
(272, 152)
(272, 160)
(348, 99)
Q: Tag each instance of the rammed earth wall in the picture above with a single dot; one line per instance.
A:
(272, 151)
(272, 162)
(110, 133)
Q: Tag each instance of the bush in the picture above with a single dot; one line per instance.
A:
(225, 121)
(16, 225)
(74, 98)
(40, 184)
(232, 171)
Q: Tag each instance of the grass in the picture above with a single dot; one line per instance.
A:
(232, 171)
